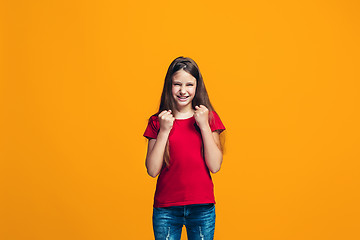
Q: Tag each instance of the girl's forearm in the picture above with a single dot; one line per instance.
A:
(212, 152)
(155, 157)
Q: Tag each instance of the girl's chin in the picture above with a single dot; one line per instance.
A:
(183, 104)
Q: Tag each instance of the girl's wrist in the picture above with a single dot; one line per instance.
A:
(205, 127)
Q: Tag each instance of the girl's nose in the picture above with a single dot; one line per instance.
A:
(182, 90)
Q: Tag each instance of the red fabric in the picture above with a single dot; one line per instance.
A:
(187, 180)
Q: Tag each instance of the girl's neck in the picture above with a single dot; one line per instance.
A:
(183, 113)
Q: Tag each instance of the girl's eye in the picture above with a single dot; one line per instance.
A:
(190, 84)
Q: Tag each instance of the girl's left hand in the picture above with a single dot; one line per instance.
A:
(201, 115)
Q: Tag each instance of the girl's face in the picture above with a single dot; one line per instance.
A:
(183, 89)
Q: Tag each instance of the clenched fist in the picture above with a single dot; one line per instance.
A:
(166, 120)
(201, 115)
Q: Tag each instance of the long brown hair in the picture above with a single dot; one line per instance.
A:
(201, 96)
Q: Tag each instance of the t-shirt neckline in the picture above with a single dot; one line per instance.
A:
(184, 118)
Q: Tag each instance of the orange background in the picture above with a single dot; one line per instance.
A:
(79, 80)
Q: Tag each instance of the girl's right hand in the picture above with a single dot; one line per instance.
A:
(166, 120)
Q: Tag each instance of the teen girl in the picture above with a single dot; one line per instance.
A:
(184, 145)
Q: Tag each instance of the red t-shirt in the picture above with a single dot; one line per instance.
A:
(187, 179)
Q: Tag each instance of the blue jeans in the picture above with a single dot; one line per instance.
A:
(199, 220)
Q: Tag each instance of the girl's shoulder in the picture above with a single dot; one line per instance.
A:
(154, 117)
(152, 128)
(154, 120)
(214, 116)
(215, 122)
(214, 113)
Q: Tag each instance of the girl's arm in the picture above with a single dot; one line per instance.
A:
(155, 154)
(156, 147)
(212, 150)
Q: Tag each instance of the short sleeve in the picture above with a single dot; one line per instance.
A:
(216, 124)
(152, 128)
